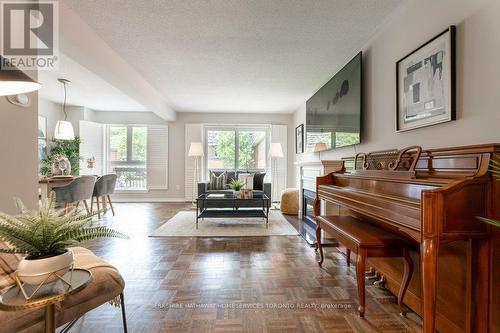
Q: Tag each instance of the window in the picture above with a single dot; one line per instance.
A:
(127, 151)
(240, 148)
(221, 149)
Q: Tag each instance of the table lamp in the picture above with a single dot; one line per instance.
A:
(319, 147)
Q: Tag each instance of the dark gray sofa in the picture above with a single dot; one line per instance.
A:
(204, 187)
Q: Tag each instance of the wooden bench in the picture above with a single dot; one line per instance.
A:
(366, 240)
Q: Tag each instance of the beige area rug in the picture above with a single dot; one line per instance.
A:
(183, 224)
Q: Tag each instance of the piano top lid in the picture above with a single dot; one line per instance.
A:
(439, 165)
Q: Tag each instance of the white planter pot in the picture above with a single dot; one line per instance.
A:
(35, 271)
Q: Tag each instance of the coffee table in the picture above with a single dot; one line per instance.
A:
(234, 206)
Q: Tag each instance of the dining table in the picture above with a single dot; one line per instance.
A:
(47, 184)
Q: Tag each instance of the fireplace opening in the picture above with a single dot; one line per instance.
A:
(309, 222)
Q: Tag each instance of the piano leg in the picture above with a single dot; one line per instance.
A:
(408, 272)
(429, 255)
(318, 243)
(360, 276)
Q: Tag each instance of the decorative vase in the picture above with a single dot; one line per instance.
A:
(61, 166)
(37, 271)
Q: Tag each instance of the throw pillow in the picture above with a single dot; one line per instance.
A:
(247, 180)
(217, 182)
(230, 176)
(258, 181)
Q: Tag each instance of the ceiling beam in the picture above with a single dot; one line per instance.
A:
(82, 44)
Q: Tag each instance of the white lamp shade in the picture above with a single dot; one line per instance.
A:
(196, 149)
(275, 150)
(13, 81)
(8, 88)
(64, 130)
(320, 146)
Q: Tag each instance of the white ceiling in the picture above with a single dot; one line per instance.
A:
(86, 88)
(235, 55)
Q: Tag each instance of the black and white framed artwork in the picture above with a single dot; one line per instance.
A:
(425, 81)
(299, 139)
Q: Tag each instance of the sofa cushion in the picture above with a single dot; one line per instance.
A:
(230, 176)
(218, 182)
(258, 181)
(247, 180)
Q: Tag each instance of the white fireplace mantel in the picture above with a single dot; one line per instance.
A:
(307, 172)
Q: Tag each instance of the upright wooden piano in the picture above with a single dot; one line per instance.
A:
(431, 197)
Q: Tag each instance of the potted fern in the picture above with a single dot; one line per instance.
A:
(44, 236)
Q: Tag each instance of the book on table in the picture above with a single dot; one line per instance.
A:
(215, 195)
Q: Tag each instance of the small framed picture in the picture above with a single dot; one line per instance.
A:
(299, 139)
(425, 84)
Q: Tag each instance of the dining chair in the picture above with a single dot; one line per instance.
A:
(104, 186)
(80, 189)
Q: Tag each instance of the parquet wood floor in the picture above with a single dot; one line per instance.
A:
(247, 284)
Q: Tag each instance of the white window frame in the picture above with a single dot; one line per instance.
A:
(236, 129)
(129, 154)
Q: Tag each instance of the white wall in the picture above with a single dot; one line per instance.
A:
(478, 76)
(19, 153)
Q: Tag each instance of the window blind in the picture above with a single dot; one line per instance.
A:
(157, 158)
(92, 145)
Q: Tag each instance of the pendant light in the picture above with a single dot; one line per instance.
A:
(64, 129)
(13, 81)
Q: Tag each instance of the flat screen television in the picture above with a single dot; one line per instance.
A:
(333, 116)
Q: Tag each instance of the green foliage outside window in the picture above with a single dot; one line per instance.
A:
(139, 143)
(246, 150)
(225, 149)
(118, 143)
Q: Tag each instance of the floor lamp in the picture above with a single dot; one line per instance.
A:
(195, 151)
(275, 152)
